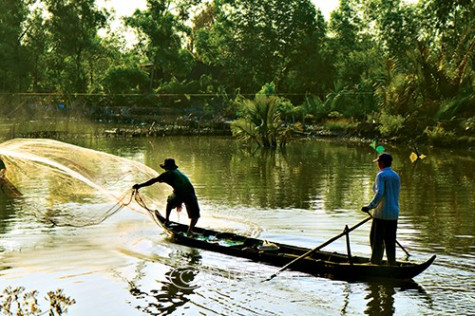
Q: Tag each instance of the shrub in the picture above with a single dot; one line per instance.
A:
(390, 125)
(340, 124)
(439, 136)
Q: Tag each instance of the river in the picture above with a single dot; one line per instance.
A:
(302, 196)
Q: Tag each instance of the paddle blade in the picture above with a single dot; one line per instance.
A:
(270, 278)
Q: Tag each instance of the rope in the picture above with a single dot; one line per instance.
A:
(111, 211)
(141, 202)
(114, 209)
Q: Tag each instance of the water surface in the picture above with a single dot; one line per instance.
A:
(302, 196)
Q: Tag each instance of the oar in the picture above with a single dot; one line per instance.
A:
(329, 241)
(403, 249)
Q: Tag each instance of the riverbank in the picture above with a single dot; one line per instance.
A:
(64, 128)
(446, 140)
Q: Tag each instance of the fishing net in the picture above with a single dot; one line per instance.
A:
(68, 185)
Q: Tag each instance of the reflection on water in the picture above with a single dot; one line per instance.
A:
(173, 293)
(380, 300)
(379, 296)
(17, 301)
(302, 196)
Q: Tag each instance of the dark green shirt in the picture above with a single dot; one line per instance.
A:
(178, 181)
(2, 165)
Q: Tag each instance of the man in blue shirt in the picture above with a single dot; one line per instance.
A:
(183, 191)
(386, 204)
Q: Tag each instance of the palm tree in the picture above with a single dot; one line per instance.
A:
(261, 122)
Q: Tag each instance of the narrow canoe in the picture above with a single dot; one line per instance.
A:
(319, 263)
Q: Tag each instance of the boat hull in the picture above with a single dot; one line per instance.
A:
(319, 263)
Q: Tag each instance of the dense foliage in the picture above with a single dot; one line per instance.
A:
(385, 68)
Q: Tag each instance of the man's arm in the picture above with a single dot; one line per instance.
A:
(378, 196)
(145, 184)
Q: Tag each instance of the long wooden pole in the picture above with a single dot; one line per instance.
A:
(329, 241)
(348, 248)
(403, 249)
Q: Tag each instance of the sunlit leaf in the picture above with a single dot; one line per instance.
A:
(373, 144)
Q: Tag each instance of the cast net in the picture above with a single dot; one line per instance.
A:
(68, 185)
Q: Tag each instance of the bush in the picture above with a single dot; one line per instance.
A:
(340, 124)
(439, 136)
(390, 125)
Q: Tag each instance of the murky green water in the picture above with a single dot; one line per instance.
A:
(303, 196)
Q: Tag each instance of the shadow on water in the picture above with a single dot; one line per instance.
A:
(174, 291)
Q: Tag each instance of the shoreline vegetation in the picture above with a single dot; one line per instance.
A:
(268, 70)
(65, 123)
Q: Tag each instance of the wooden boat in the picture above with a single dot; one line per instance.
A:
(320, 263)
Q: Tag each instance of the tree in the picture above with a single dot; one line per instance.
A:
(448, 21)
(73, 25)
(162, 32)
(309, 68)
(13, 66)
(123, 79)
(354, 51)
(257, 42)
(396, 25)
(37, 42)
(345, 25)
(261, 120)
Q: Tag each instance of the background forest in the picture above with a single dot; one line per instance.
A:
(377, 68)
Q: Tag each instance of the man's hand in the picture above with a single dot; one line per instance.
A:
(365, 209)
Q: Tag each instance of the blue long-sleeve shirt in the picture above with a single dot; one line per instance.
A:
(386, 198)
